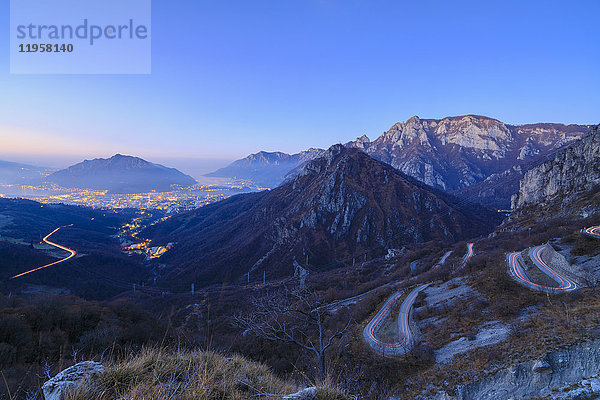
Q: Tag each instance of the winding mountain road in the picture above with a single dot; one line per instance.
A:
(442, 260)
(515, 266)
(593, 231)
(72, 254)
(469, 254)
(406, 339)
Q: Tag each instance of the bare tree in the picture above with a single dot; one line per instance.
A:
(296, 317)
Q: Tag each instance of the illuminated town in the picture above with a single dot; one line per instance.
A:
(153, 206)
(178, 200)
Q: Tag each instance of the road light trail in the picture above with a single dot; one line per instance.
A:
(593, 231)
(404, 343)
(515, 262)
(442, 260)
(404, 315)
(71, 254)
(565, 282)
(469, 254)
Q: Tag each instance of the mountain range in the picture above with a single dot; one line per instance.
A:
(120, 174)
(453, 154)
(266, 168)
(12, 173)
(339, 206)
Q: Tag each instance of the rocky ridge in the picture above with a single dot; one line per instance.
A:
(477, 158)
(340, 205)
(456, 152)
(266, 168)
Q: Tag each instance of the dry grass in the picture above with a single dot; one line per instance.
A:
(328, 390)
(585, 246)
(460, 319)
(194, 375)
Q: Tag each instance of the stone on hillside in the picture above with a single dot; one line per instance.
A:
(541, 366)
(306, 394)
(71, 378)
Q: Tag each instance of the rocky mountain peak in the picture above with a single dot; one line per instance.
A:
(120, 161)
(326, 159)
(452, 153)
(333, 152)
(361, 142)
(120, 174)
(456, 152)
(341, 204)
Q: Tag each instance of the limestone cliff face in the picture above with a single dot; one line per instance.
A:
(574, 170)
(535, 378)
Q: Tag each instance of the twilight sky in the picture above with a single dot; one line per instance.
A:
(231, 78)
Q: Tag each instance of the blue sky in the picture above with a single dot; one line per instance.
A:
(234, 77)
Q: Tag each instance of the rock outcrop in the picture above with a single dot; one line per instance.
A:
(70, 379)
(536, 378)
(559, 263)
(309, 393)
(588, 388)
(574, 170)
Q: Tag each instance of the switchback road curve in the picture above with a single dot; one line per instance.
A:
(405, 340)
(469, 254)
(515, 264)
(72, 254)
(593, 231)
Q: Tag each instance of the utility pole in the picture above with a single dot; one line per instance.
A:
(192, 289)
(248, 277)
(264, 277)
(134, 288)
(307, 260)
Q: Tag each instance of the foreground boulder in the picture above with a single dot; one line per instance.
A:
(71, 378)
(306, 394)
